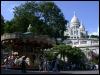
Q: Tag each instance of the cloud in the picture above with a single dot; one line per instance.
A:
(95, 33)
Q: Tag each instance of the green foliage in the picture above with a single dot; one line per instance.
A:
(94, 36)
(2, 24)
(45, 17)
(96, 60)
(9, 26)
(25, 15)
(53, 17)
(74, 54)
(50, 56)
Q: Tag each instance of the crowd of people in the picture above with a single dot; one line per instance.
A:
(14, 61)
(46, 65)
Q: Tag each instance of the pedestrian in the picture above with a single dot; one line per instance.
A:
(24, 65)
(56, 66)
(96, 67)
(48, 65)
(41, 64)
(45, 65)
(6, 64)
(53, 64)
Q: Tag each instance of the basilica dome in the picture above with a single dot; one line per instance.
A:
(74, 19)
(82, 27)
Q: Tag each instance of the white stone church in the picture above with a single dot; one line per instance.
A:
(76, 29)
(78, 36)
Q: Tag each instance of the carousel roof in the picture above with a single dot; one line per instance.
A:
(27, 33)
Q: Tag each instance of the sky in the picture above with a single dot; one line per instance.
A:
(87, 11)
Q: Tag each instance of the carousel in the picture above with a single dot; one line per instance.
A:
(17, 45)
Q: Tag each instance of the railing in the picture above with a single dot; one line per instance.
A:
(9, 36)
(83, 45)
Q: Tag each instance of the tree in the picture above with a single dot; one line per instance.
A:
(9, 26)
(53, 17)
(74, 55)
(94, 36)
(77, 54)
(96, 59)
(49, 55)
(60, 49)
(2, 24)
(71, 53)
(45, 17)
(25, 15)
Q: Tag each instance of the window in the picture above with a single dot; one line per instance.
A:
(74, 37)
(71, 32)
(71, 37)
(74, 32)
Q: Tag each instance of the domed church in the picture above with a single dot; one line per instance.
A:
(75, 29)
(78, 36)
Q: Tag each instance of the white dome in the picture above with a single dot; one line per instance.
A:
(74, 19)
(82, 27)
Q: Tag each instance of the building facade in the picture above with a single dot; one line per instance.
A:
(75, 29)
(78, 36)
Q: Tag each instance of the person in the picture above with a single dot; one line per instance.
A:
(96, 67)
(41, 65)
(11, 63)
(44, 65)
(48, 65)
(6, 64)
(53, 63)
(56, 65)
(93, 67)
(23, 65)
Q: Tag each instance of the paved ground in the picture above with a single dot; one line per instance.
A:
(44, 72)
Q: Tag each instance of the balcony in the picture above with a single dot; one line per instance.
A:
(86, 44)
